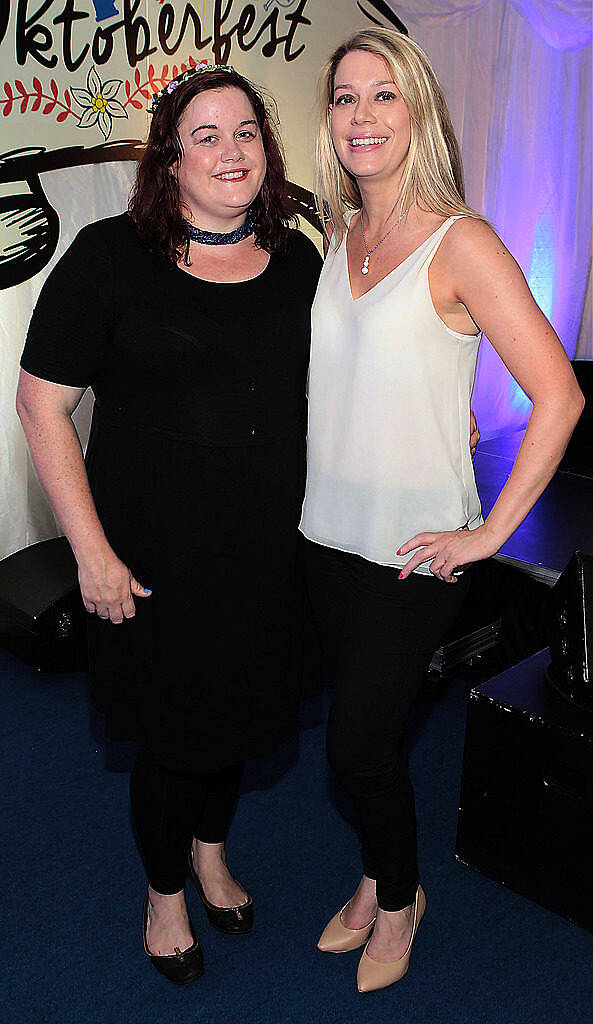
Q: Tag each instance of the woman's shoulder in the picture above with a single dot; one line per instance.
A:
(112, 248)
(469, 237)
(301, 250)
(474, 257)
(299, 242)
(102, 255)
(109, 231)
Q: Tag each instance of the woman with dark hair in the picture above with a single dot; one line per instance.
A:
(189, 318)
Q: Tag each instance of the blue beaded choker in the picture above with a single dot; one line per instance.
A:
(220, 238)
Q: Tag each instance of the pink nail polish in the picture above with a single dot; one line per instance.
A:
(399, 551)
(401, 576)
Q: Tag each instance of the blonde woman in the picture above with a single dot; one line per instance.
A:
(392, 516)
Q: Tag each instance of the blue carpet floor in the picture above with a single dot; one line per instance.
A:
(73, 887)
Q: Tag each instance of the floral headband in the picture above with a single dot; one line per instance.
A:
(197, 69)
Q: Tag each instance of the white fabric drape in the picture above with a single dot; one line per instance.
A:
(586, 329)
(80, 195)
(563, 24)
(517, 76)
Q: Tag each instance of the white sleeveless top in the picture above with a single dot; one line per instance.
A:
(389, 410)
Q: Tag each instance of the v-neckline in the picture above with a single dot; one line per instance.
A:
(393, 269)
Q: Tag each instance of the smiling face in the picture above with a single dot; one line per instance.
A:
(370, 123)
(223, 164)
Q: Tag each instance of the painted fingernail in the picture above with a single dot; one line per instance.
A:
(399, 551)
(147, 591)
(401, 576)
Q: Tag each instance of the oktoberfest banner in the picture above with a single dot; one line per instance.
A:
(78, 75)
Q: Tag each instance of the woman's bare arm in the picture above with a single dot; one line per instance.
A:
(490, 285)
(45, 411)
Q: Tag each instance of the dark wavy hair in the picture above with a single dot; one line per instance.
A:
(155, 204)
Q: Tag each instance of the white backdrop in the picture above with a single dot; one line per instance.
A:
(86, 193)
(517, 75)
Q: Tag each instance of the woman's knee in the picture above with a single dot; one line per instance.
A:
(361, 758)
(349, 752)
(339, 754)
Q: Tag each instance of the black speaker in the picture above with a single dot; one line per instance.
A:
(569, 632)
(42, 617)
(526, 802)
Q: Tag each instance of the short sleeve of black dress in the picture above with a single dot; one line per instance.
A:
(72, 319)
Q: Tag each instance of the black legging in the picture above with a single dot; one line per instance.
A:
(169, 808)
(378, 634)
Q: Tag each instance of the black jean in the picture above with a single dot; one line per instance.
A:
(169, 808)
(378, 634)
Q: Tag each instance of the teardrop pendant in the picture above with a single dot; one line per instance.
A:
(365, 266)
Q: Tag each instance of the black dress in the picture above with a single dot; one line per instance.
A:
(196, 461)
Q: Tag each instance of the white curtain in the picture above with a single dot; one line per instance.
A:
(517, 76)
(80, 195)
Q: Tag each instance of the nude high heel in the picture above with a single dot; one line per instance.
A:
(336, 938)
(372, 974)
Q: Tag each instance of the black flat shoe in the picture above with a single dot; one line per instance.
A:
(178, 967)
(230, 920)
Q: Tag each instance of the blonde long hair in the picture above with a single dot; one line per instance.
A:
(433, 172)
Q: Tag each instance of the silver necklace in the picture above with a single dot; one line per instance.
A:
(365, 266)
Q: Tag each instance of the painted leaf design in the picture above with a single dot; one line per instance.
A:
(111, 88)
(105, 124)
(116, 109)
(93, 81)
(81, 96)
(8, 102)
(88, 119)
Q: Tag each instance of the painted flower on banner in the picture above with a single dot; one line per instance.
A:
(99, 103)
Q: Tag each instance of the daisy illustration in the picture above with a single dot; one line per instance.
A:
(99, 102)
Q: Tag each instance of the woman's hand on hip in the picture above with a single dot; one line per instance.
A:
(447, 551)
(108, 587)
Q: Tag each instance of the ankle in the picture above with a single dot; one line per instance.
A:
(208, 856)
(366, 890)
(159, 899)
(406, 911)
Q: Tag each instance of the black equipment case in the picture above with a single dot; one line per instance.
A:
(42, 617)
(526, 802)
